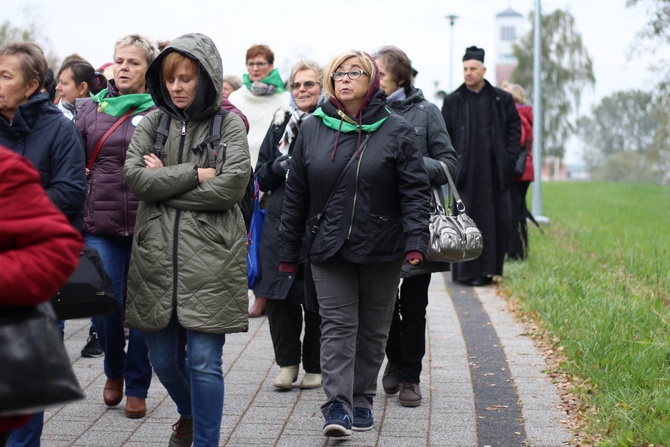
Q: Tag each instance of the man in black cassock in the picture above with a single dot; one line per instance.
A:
(485, 130)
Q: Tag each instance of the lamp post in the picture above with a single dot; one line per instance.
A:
(539, 120)
(452, 19)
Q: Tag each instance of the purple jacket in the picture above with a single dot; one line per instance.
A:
(110, 208)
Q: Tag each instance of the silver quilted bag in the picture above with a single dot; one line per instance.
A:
(452, 238)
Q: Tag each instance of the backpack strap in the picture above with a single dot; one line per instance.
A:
(211, 143)
(162, 134)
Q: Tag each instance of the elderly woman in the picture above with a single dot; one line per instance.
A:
(31, 125)
(230, 84)
(358, 183)
(406, 345)
(187, 286)
(261, 95)
(111, 207)
(285, 300)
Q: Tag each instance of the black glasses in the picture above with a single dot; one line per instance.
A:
(256, 64)
(307, 84)
(353, 75)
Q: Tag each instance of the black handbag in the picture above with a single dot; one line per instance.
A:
(36, 372)
(452, 238)
(88, 293)
(520, 163)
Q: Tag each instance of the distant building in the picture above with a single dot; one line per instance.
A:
(509, 27)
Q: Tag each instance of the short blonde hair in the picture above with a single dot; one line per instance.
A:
(139, 41)
(365, 60)
(306, 65)
(518, 93)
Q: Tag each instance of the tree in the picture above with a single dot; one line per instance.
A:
(31, 32)
(657, 33)
(623, 121)
(566, 70)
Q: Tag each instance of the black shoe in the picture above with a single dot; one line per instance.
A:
(92, 348)
(481, 281)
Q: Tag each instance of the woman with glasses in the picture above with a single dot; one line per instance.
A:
(260, 96)
(406, 345)
(357, 183)
(285, 298)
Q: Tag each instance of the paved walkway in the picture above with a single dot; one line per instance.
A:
(459, 407)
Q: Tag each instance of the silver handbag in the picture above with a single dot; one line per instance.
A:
(452, 238)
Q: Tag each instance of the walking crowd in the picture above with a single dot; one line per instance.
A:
(150, 165)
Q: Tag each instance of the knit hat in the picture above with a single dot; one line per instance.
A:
(474, 53)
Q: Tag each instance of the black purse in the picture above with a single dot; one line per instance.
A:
(88, 293)
(36, 372)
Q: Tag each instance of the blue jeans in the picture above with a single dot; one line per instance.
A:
(28, 435)
(195, 383)
(134, 365)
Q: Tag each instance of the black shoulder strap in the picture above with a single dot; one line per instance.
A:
(162, 134)
(211, 143)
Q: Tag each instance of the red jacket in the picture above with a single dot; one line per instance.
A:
(39, 249)
(526, 115)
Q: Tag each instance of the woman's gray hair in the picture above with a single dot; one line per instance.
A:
(306, 65)
(140, 41)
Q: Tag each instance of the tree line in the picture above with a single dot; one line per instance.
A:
(626, 137)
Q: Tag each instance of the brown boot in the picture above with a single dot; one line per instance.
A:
(136, 407)
(410, 394)
(182, 433)
(258, 309)
(113, 392)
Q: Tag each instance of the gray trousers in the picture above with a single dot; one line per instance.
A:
(356, 306)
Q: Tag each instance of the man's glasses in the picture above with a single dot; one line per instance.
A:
(307, 84)
(353, 75)
(256, 64)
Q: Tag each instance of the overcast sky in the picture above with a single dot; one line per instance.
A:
(318, 30)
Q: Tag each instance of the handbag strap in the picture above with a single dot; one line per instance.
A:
(315, 228)
(460, 206)
(104, 137)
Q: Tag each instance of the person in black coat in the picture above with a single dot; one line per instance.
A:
(285, 297)
(31, 125)
(406, 345)
(376, 220)
(485, 130)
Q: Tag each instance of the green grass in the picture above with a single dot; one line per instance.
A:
(599, 279)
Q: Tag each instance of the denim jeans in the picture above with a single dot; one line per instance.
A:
(28, 435)
(194, 382)
(134, 365)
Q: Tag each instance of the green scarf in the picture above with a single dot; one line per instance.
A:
(118, 105)
(345, 125)
(272, 84)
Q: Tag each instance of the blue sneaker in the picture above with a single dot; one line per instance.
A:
(338, 422)
(363, 419)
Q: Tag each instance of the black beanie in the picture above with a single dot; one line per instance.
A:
(474, 53)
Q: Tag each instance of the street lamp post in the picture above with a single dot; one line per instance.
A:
(537, 111)
(452, 19)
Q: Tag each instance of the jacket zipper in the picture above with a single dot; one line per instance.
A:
(175, 231)
(358, 170)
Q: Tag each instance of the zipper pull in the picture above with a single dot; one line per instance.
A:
(183, 128)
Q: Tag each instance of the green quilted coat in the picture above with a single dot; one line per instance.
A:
(190, 245)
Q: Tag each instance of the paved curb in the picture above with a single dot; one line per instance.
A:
(255, 414)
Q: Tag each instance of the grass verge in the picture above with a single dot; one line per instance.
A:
(598, 282)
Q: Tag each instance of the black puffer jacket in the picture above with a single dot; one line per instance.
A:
(380, 209)
(41, 133)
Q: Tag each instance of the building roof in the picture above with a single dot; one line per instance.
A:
(509, 12)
